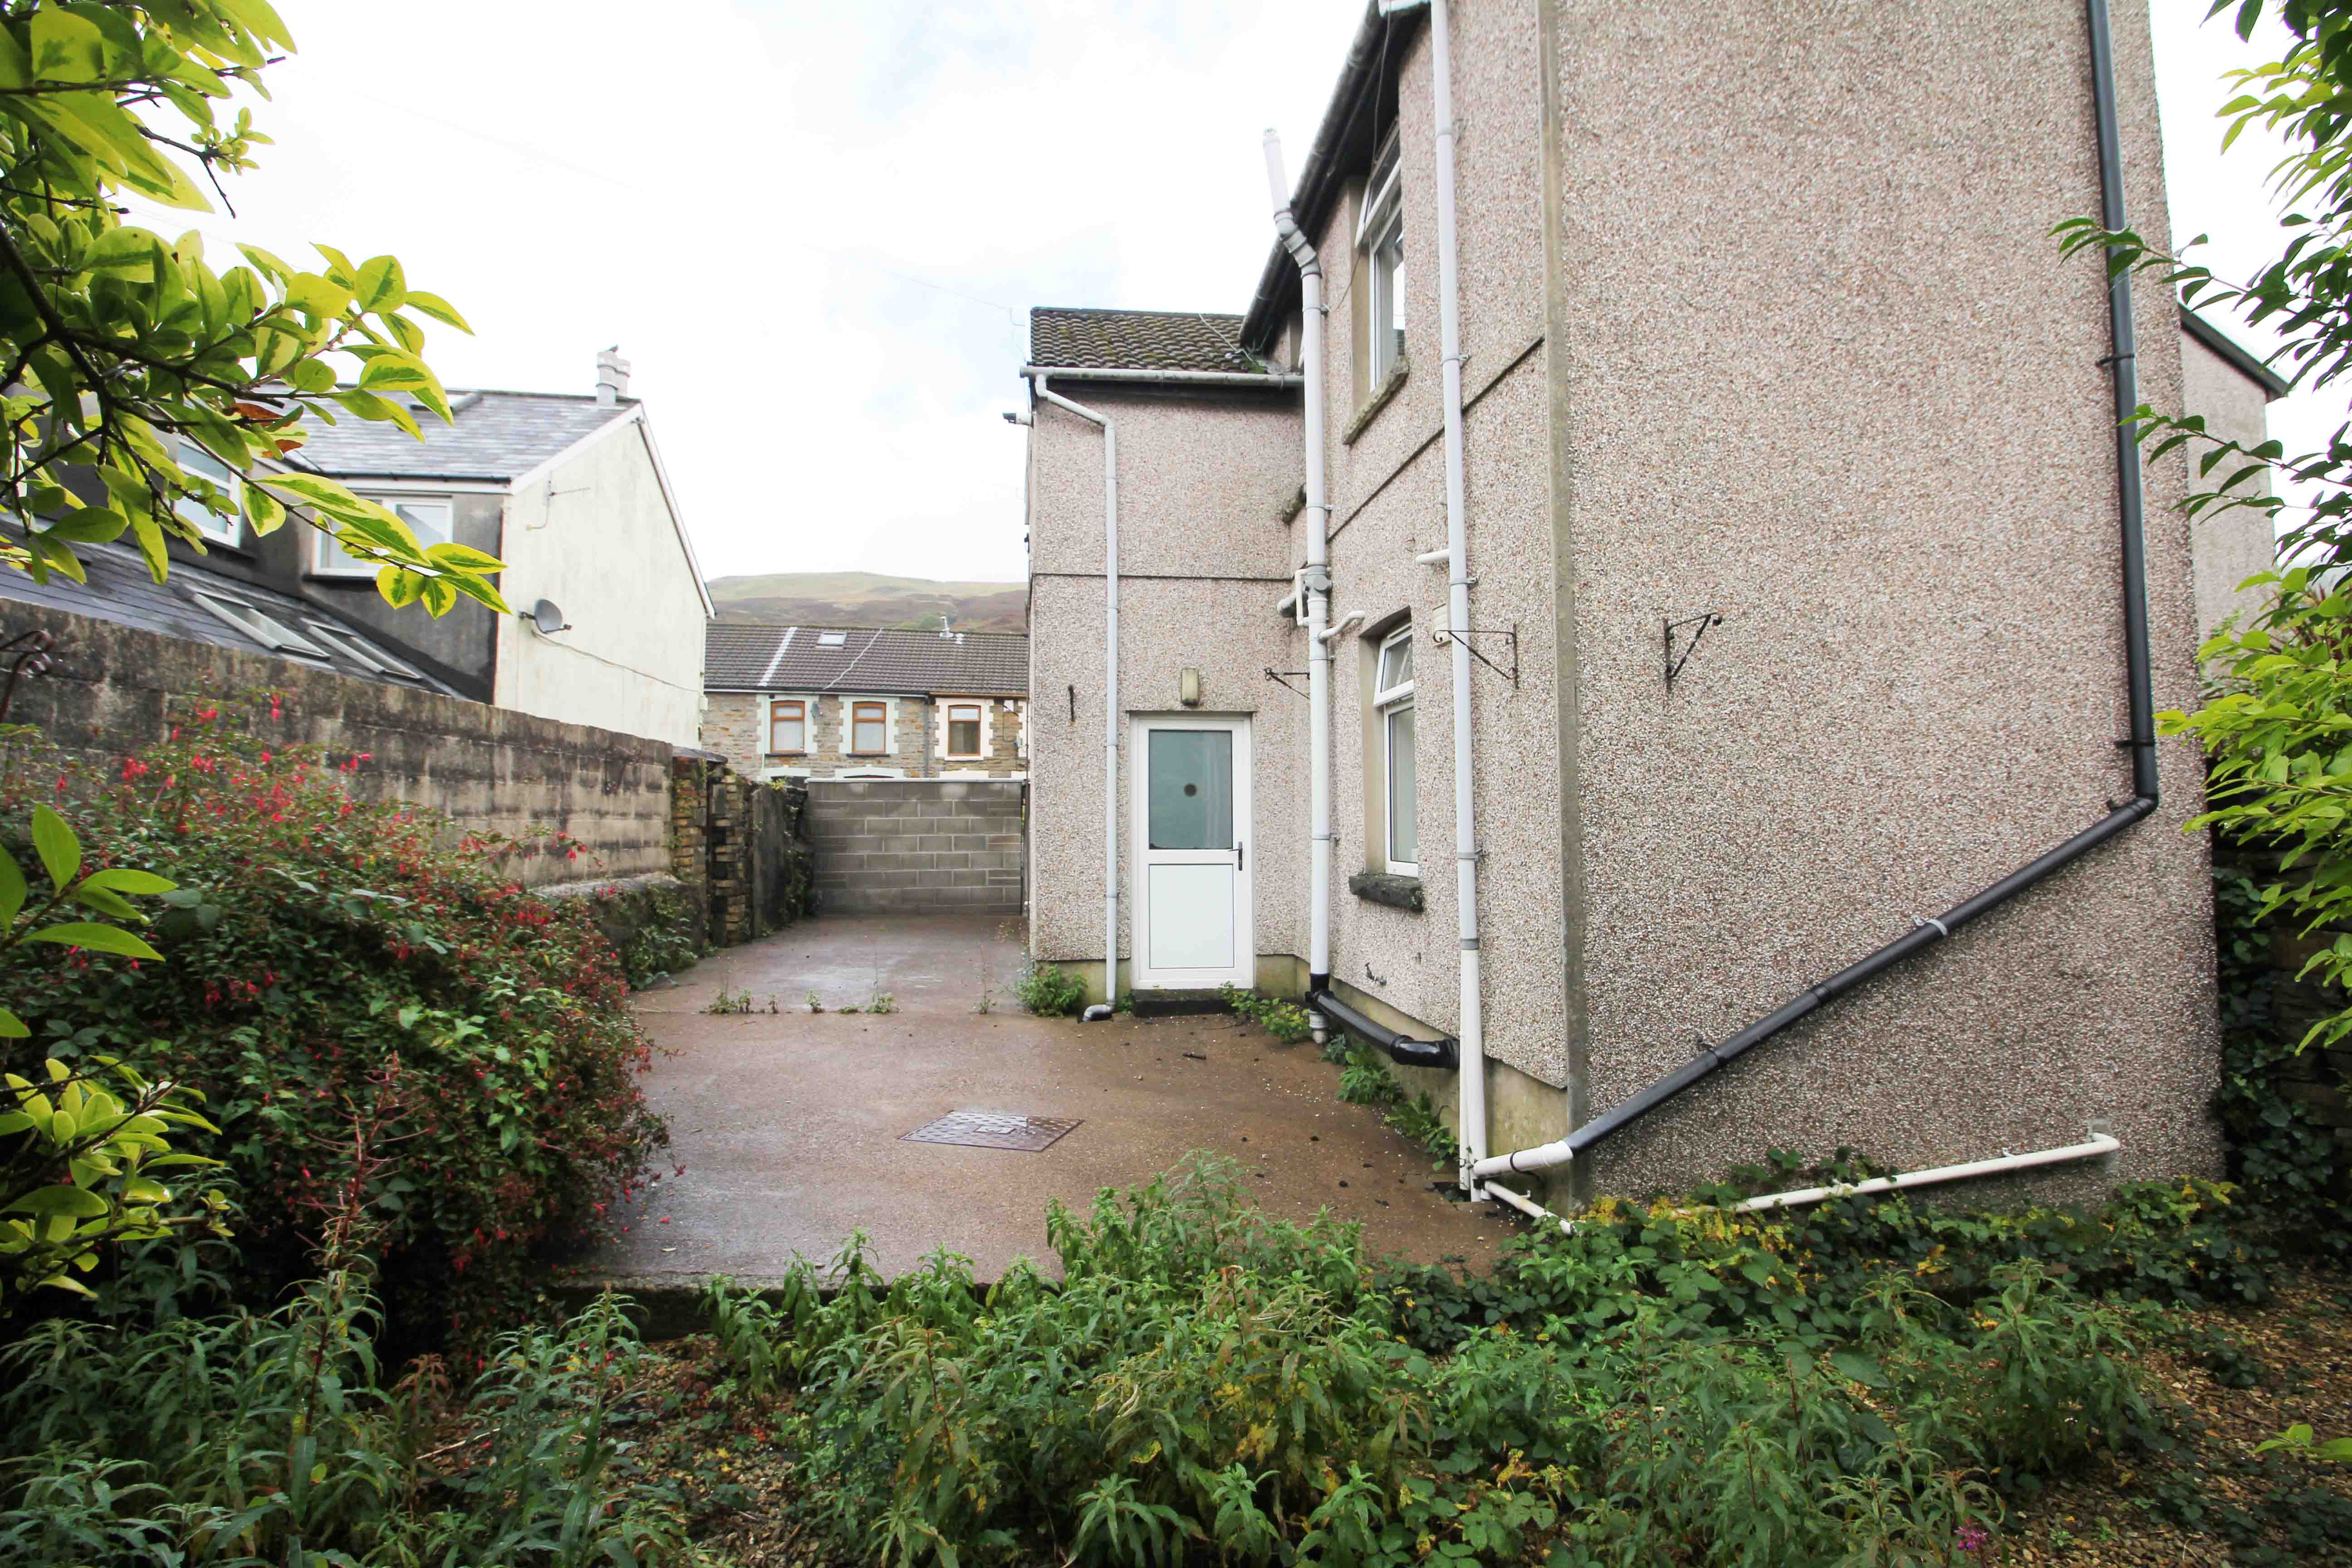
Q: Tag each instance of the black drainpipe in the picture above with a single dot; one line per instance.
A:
(2141, 741)
(1402, 1049)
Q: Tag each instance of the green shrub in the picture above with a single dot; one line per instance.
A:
(664, 945)
(1049, 991)
(328, 962)
(1285, 1021)
(1207, 1380)
(247, 1438)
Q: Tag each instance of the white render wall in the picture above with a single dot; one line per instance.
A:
(596, 535)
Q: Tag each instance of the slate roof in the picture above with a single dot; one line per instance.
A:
(1136, 340)
(497, 436)
(742, 657)
(120, 590)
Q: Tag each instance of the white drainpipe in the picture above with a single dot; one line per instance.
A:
(1472, 1109)
(1316, 581)
(2097, 1145)
(1107, 1006)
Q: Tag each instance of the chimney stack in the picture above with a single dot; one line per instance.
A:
(612, 377)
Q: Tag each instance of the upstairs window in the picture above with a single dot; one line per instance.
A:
(199, 464)
(869, 728)
(1393, 700)
(1380, 244)
(963, 729)
(430, 521)
(788, 728)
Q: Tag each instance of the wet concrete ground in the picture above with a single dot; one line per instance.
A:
(790, 1125)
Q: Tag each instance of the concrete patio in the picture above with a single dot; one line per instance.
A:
(790, 1125)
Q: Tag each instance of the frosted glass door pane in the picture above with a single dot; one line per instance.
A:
(1189, 787)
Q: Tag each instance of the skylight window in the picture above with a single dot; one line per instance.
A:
(831, 639)
(359, 650)
(269, 633)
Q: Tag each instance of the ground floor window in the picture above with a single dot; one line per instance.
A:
(869, 728)
(787, 727)
(963, 729)
(1392, 700)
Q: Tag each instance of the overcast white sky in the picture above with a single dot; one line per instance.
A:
(814, 228)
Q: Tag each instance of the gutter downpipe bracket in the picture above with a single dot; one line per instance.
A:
(2121, 361)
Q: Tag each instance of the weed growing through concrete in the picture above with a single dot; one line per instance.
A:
(882, 1001)
(731, 1002)
(815, 1002)
(1049, 992)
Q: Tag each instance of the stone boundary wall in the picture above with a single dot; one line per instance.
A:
(488, 769)
(742, 844)
(918, 843)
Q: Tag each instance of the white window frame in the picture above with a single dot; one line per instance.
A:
(849, 747)
(359, 650)
(802, 750)
(1387, 703)
(213, 528)
(978, 721)
(1381, 225)
(327, 556)
(256, 622)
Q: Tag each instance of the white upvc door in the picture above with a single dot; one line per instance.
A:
(1191, 812)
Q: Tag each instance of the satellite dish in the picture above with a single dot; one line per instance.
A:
(547, 615)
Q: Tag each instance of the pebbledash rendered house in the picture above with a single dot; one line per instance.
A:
(1647, 614)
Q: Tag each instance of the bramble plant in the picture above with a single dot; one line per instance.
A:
(125, 349)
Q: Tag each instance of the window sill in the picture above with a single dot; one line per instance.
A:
(1384, 887)
(1382, 396)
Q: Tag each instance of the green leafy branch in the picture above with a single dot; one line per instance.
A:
(120, 349)
(106, 892)
(74, 1151)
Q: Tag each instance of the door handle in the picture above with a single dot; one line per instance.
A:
(1238, 850)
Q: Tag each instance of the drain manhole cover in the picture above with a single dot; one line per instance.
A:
(979, 1130)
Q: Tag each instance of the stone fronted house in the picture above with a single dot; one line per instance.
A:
(854, 702)
(1739, 626)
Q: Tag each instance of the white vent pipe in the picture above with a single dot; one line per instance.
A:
(1108, 1006)
(1316, 582)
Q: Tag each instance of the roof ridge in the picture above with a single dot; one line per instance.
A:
(1125, 310)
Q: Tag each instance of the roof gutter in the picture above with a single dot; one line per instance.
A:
(2240, 358)
(1318, 177)
(1287, 379)
(1926, 931)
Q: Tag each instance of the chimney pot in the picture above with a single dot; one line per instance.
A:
(612, 377)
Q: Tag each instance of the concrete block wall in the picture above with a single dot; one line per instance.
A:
(917, 844)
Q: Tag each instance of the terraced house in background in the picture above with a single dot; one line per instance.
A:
(857, 702)
(1650, 573)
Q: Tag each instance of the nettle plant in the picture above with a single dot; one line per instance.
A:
(326, 955)
(119, 343)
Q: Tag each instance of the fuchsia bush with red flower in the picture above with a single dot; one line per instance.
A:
(320, 948)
